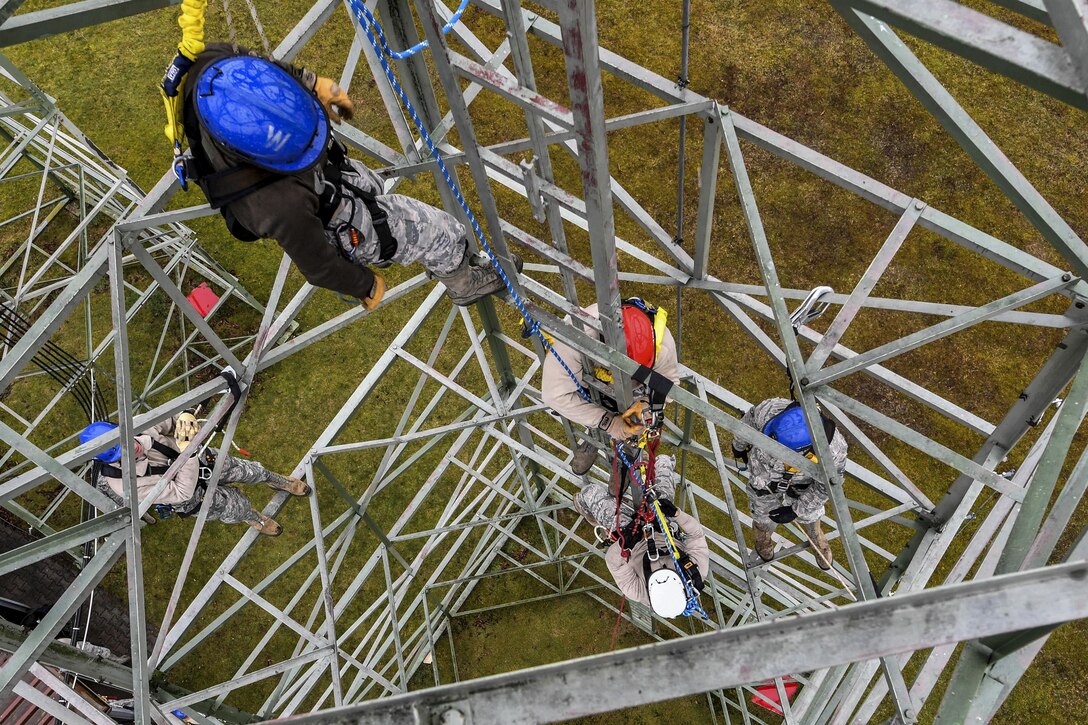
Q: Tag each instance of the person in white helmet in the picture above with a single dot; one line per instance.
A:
(642, 565)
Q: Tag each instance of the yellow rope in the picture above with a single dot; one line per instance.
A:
(191, 21)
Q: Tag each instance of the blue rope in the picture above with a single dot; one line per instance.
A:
(370, 26)
(400, 55)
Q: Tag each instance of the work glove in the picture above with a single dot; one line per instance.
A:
(376, 293)
(667, 507)
(185, 429)
(337, 104)
(633, 424)
(175, 74)
(783, 514)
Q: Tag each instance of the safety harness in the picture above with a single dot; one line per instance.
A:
(115, 472)
(658, 318)
(224, 187)
(684, 565)
(165, 510)
(336, 165)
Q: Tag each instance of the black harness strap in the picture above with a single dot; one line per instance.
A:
(166, 450)
(225, 187)
(113, 472)
(685, 565)
(230, 185)
(657, 383)
(334, 173)
(232, 383)
(170, 454)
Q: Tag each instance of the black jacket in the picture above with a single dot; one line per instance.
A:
(285, 210)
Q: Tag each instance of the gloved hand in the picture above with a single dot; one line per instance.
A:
(667, 507)
(632, 419)
(741, 457)
(332, 97)
(783, 514)
(185, 429)
(376, 293)
(175, 74)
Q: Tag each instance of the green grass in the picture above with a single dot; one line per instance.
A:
(796, 68)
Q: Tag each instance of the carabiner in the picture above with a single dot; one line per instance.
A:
(652, 552)
(179, 167)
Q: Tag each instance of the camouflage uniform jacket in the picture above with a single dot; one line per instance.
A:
(763, 468)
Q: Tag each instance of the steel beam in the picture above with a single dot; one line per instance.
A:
(940, 330)
(62, 541)
(747, 654)
(1020, 55)
(1070, 19)
(63, 19)
(865, 285)
(830, 477)
(37, 641)
(969, 135)
(578, 19)
(1041, 488)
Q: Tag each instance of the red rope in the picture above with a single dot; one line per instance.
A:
(617, 533)
(617, 627)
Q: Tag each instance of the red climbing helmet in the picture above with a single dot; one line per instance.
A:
(638, 328)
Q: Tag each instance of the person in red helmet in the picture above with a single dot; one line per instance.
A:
(649, 343)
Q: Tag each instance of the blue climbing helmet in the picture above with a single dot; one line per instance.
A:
(95, 430)
(789, 428)
(258, 112)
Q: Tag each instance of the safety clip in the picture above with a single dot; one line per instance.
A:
(652, 552)
(179, 167)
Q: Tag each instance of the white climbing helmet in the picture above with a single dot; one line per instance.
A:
(667, 596)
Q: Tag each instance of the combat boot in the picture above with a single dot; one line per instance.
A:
(820, 548)
(290, 484)
(585, 455)
(764, 536)
(266, 526)
(474, 279)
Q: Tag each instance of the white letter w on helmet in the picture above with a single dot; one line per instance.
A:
(277, 139)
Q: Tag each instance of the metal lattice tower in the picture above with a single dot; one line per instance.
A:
(366, 603)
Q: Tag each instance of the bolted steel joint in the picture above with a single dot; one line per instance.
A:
(451, 715)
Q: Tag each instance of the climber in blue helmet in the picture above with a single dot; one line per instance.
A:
(262, 149)
(157, 448)
(779, 493)
(96, 430)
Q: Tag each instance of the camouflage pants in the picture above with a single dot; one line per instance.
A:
(230, 505)
(424, 233)
(598, 505)
(809, 506)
